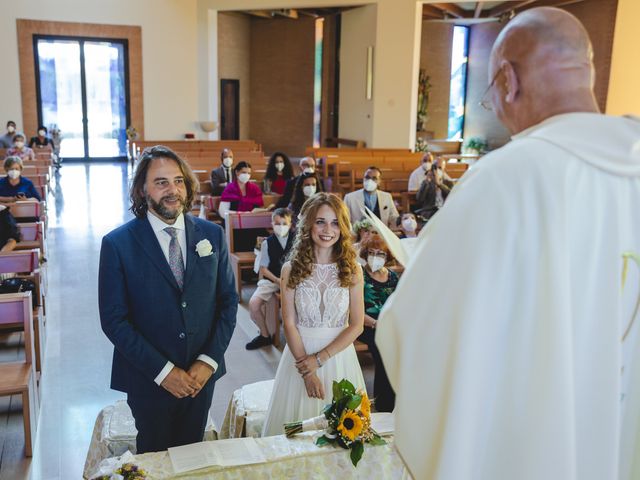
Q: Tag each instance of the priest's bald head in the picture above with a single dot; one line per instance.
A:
(541, 66)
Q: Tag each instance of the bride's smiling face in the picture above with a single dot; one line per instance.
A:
(325, 231)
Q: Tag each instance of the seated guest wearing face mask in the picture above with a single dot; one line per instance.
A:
(379, 284)
(279, 172)
(273, 253)
(433, 191)
(223, 175)
(9, 234)
(409, 225)
(6, 140)
(242, 195)
(14, 186)
(418, 175)
(19, 149)
(41, 140)
(379, 202)
(307, 186)
(306, 165)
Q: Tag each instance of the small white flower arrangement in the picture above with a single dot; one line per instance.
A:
(204, 248)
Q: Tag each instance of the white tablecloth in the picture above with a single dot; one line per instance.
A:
(247, 411)
(294, 458)
(115, 433)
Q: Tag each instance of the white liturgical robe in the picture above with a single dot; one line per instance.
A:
(504, 339)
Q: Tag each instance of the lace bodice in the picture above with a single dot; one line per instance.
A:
(320, 300)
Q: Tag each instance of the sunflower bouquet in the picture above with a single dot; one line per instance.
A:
(346, 421)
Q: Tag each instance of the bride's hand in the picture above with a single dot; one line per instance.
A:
(307, 365)
(314, 386)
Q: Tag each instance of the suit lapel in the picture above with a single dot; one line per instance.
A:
(194, 235)
(145, 236)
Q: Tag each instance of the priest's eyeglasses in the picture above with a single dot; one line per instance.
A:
(485, 101)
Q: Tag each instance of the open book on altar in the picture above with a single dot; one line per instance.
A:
(402, 250)
(223, 453)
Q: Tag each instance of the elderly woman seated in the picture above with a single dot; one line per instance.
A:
(379, 284)
(14, 186)
(19, 148)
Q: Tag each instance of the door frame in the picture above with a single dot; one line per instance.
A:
(85, 129)
(236, 126)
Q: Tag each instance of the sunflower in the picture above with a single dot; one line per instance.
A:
(365, 406)
(350, 425)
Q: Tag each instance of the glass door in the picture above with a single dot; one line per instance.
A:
(83, 91)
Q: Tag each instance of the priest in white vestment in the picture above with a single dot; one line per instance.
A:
(511, 340)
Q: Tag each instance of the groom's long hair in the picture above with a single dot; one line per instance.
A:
(136, 192)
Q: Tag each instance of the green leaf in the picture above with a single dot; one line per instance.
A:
(377, 440)
(354, 402)
(337, 392)
(357, 449)
(322, 441)
(347, 387)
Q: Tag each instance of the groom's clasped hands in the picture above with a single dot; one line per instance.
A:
(180, 383)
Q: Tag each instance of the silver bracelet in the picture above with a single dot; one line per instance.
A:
(317, 355)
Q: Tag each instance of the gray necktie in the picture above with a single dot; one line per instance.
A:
(175, 256)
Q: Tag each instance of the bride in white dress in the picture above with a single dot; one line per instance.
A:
(322, 312)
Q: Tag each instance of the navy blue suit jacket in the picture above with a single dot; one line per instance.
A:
(148, 318)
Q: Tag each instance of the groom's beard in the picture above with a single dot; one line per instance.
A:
(168, 213)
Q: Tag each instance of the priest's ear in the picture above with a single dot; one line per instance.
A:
(508, 83)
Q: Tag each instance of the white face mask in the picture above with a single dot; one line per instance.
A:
(244, 177)
(308, 170)
(281, 230)
(375, 263)
(370, 185)
(11, 129)
(308, 190)
(279, 166)
(13, 174)
(427, 166)
(41, 133)
(18, 145)
(227, 162)
(409, 224)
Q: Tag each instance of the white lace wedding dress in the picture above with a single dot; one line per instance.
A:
(322, 312)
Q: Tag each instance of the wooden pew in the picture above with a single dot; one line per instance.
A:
(27, 210)
(25, 264)
(32, 236)
(243, 260)
(19, 378)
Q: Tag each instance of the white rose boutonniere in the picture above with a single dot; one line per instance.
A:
(204, 248)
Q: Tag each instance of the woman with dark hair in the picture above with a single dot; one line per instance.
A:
(379, 284)
(279, 171)
(322, 312)
(241, 194)
(307, 185)
(41, 140)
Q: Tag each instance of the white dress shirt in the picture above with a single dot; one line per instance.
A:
(164, 239)
(416, 178)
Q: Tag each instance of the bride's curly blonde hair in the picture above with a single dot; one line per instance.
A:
(302, 256)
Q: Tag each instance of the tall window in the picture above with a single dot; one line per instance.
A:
(458, 90)
(317, 82)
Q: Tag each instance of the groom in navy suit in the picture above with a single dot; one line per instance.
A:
(167, 303)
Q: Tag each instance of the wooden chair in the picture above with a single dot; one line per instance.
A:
(25, 264)
(18, 378)
(32, 237)
(243, 260)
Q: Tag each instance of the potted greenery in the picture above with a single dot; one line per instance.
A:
(475, 146)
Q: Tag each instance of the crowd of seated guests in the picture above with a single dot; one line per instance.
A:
(279, 172)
